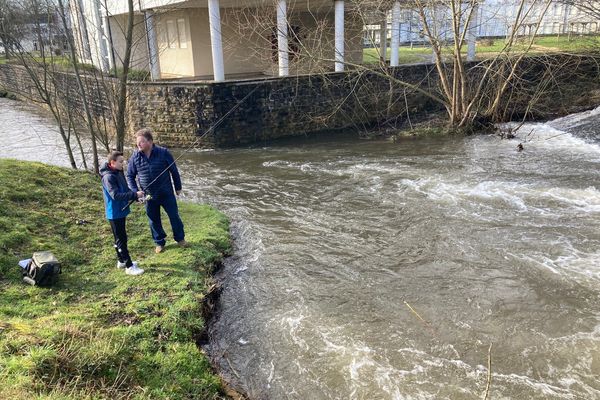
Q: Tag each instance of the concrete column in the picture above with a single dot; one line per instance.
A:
(339, 35)
(83, 32)
(100, 36)
(394, 57)
(472, 34)
(109, 46)
(383, 39)
(153, 61)
(282, 38)
(566, 18)
(214, 20)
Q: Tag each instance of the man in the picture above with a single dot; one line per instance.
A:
(154, 167)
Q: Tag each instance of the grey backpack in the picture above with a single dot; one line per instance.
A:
(42, 270)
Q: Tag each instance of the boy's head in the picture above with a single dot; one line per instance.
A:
(116, 160)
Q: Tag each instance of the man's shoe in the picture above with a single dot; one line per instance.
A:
(121, 265)
(183, 243)
(159, 249)
(134, 270)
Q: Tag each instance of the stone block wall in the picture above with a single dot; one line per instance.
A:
(177, 113)
(64, 89)
(181, 113)
(247, 111)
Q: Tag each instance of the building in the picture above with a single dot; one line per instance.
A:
(219, 39)
(215, 39)
(494, 19)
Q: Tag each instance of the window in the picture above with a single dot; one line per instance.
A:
(172, 34)
(182, 33)
(161, 35)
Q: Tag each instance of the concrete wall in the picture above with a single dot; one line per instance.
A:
(139, 49)
(175, 43)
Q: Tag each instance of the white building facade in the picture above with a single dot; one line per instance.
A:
(494, 19)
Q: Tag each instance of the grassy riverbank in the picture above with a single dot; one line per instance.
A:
(99, 333)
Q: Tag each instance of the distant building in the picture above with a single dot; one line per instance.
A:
(33, 34)
(494, 19)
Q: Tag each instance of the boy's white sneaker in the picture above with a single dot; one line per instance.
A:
(121, 265)
(134, 270)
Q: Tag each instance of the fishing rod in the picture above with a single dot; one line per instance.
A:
(210, 129)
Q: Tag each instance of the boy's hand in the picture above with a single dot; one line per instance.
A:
(140, 194)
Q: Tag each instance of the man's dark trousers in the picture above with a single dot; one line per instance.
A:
(168, 201)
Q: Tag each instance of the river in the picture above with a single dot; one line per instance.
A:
(367, 269)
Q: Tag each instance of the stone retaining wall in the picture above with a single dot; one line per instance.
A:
(179, 113)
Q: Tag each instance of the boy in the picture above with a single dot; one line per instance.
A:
(116, 198)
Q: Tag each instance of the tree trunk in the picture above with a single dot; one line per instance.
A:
(122, 97)
(84, 98)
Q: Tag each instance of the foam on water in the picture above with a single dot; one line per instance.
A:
(546, 136)
(574, 120)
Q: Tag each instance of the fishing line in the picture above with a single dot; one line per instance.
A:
(211, 128)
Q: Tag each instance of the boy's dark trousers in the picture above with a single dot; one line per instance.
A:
(118, 229)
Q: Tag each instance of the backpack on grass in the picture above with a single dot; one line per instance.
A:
(42, 270)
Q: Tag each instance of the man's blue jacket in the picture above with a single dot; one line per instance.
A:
(146, 169)
(116, 193)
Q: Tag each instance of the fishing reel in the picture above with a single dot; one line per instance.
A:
(145, 198)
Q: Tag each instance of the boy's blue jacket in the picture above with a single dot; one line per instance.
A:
(146, 169)
(116, 193)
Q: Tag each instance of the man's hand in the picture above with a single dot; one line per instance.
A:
(140, 194)
(178, 192)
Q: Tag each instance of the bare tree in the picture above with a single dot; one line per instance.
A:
(82, 89)
(469, 92)
(12, 26)
(122, 86)
(40, 67)
(97, 101)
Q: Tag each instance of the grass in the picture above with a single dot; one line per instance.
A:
(64, 63)
(488, 47)
(61, 62)
(407, 55)
(98, 333)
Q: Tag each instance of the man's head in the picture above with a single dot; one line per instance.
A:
(116, 160)
(143, 139)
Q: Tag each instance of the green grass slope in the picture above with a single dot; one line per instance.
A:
(98, 333)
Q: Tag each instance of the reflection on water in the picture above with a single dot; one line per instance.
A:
(378, 270)
(30, 133)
